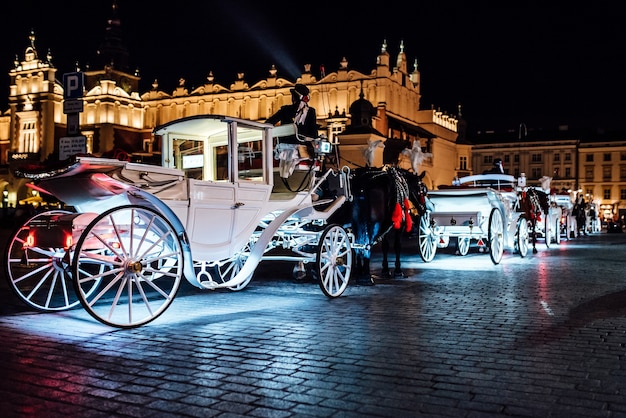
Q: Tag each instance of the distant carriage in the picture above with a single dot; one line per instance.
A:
(480, 209)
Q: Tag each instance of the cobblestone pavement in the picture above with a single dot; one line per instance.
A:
(540, 336)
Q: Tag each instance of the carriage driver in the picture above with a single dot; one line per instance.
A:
(497, 167)
(304, 117)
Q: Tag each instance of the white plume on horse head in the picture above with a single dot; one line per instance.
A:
(545, 182)
(370, 150)
(416, 155)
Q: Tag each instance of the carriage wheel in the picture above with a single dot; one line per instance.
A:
(39, 276)
(547, 231)
(334, 261)
(521, 236)
(143, 266)
(463, 245)
(557, 229)
(229, 269)
(426, 239)
(496, 236)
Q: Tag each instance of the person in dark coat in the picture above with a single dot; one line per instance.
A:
(298, 112)
(497, 167)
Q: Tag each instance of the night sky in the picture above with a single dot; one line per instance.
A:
(539, 65)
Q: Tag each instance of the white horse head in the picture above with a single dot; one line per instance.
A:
(370, 150)
(416, 155)
(545, 183)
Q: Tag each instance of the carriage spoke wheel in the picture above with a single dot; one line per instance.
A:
(463, 245)
(557, 229)
(334, 261)
(229, 269)
(135, 256)
(39, 276)
(426, 240)
(521, 236)
(496, 236)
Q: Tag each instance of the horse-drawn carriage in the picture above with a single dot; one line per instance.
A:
(216, 207)
(481, 208)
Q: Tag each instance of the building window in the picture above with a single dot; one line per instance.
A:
(622, 156)
(535, 158)
(516, 158)
(557, 157)
(622, 173)
(28, 137)
(463, 163)
(535, 173)
(607, 194)
(606, 173)
(568, 172)
(556, 172)
(488, 159)
(606, 156)
(507, 158)
(568, 156)
(589, 173)
(622, 194)
(589, 158)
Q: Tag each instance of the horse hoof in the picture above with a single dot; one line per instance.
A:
(534, 251)
(365, 281)
(399, 274)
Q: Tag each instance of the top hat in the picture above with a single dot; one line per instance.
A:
(301, 89)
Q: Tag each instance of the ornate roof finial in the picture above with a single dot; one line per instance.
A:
(273, 71)
(384, 48)
(210, 77)
(49, 57)
(402, 46)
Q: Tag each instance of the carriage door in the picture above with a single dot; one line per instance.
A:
(225, 211)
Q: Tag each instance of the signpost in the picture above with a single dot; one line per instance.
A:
(73, 85)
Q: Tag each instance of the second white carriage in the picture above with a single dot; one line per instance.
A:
(480, 208)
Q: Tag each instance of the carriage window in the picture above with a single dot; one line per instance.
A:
(189, 156)
(250, 160)
(250, 153)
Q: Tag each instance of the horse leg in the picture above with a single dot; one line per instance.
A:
(397, 246)
(385, 273)
(535, 237)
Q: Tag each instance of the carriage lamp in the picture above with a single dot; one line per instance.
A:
(29, 242)
(471, 224)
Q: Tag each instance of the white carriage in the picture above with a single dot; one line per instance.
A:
(215, 208)
(480, 208)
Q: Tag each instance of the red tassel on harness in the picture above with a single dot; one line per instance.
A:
(407, 216)
(396, 218)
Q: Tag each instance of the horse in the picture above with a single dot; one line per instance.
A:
(385, 202)
(533, 203)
